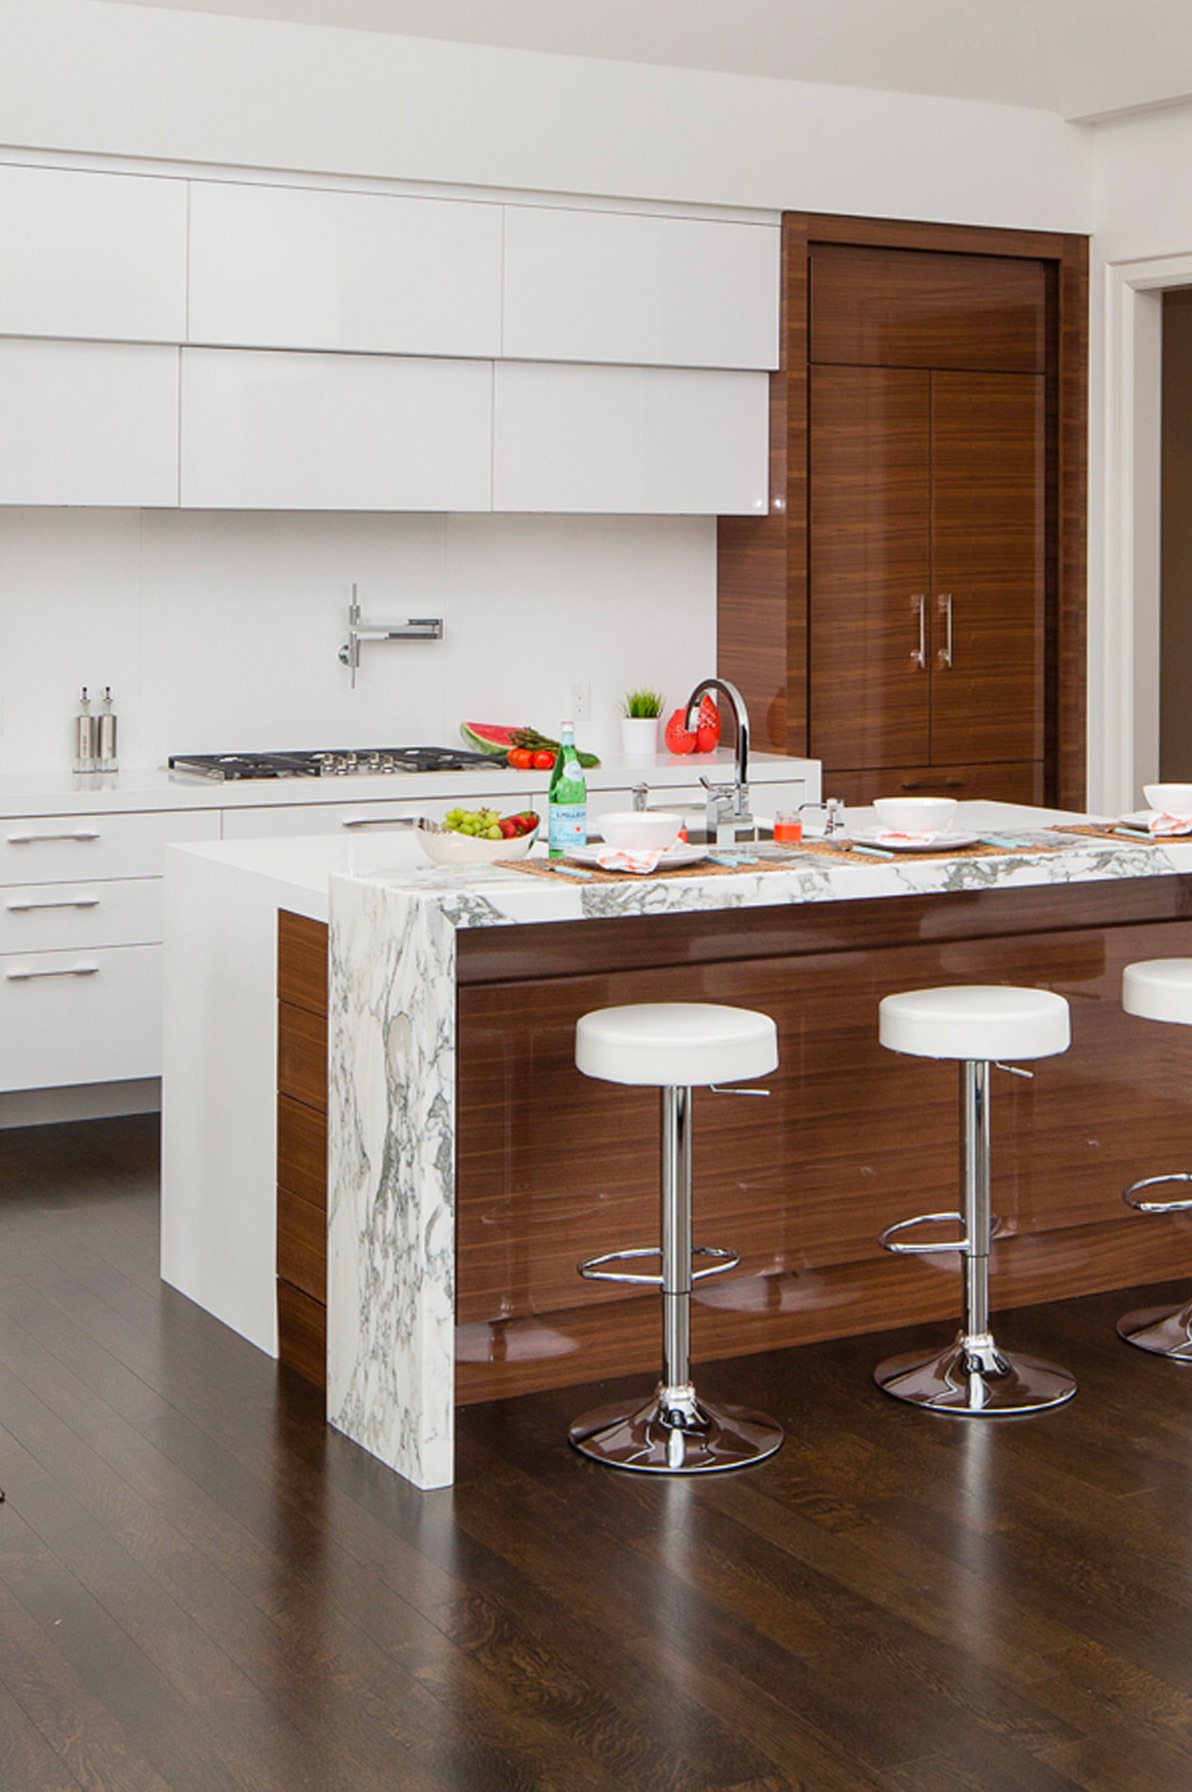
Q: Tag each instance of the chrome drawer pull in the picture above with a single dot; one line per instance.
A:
(379, 821)
(62, 902)
(79, 834)
(78, 970)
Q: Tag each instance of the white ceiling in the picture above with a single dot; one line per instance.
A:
(1080, 58)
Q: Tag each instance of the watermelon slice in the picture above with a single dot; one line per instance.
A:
(489, 737)
(496, 739)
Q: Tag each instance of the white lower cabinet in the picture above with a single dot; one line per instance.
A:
(80, 944)
(88, 423)
(80, 1016)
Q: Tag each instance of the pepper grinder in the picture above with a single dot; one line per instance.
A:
(84, 735)
(106, 733)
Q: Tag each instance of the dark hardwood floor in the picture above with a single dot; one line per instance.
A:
(203, 1589)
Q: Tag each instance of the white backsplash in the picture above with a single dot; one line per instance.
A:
(220, 631)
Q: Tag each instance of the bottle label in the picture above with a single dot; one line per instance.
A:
(568, 826)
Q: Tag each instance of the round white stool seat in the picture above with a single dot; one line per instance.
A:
(1159, 989)
(975, 1023)
(675, 1044)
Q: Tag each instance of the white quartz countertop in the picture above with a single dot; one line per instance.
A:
(68, 793)
(308, 867)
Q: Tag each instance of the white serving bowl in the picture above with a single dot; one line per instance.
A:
(1176, 799)
(916, 814)
(446, 847)
(640, 830)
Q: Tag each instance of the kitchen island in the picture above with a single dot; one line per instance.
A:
(469, 1165)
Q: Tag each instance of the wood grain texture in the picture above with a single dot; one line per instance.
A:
(762, 592)
(302, 1055)
(302, 1148)
(302, 1243)
(302, 1333)
(1021, 783)
(302, 962)
(888, 307)
(204, 1589)
(870, 558)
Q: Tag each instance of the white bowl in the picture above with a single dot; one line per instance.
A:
(1176, 799)
(916, 814)
(641, 830)
(446, 847)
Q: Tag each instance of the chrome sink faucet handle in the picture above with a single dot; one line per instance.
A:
(640, 793)
(741, 717)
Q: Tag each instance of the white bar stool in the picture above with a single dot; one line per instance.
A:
(1159, 989)
(674, 1046)
(978, 1025)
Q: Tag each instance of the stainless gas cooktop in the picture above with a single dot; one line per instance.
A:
(353, 763)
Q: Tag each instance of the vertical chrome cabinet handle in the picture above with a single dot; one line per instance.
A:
(74, 970)
(919, 653)
(75, 834)
(944, 600)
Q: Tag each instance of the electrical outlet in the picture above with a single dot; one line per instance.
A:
(581, 701)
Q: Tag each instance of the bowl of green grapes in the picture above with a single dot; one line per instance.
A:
(478, 836)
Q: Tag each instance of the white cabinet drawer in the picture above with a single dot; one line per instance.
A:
(92, 255)
(80, 1017)
(317, 818)
(88, 423)
(284, 267)
(294, 431)
(609, 286)
(661, 440)
(38, 849)
(60, 917)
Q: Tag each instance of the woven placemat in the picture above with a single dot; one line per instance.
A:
(1109, 830)
(592, 874)
(857, 854)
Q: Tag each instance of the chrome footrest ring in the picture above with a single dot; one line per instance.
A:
(592, 1268)
(886, 1238)
(1128, 1194)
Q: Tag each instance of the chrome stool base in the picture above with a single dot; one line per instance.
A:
(1164, 1331)
(975, 1381)
(688, 1438)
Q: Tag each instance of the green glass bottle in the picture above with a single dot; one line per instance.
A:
(567, 799)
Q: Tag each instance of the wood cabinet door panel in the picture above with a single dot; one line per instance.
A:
(988, 551)
(916, 308)
(870, 559)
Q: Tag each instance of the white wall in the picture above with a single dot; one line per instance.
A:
(1142, 224)
(127, 80)
(220, 632)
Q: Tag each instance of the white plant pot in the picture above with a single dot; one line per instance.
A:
(639, 736)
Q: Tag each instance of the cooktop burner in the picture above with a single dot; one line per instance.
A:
(350, 763)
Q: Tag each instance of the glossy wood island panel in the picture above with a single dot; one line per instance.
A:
(552, 1166)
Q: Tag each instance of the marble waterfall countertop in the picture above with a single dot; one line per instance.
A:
(392, 1045)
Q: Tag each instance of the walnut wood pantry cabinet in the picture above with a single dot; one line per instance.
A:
(911, 611)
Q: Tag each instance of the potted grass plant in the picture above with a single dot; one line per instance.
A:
(640, 713)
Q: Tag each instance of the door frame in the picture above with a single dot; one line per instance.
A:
(1124, 668)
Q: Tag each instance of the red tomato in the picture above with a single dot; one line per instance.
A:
(521, 759)
(707, 734)
(543, 761)
(679, 738)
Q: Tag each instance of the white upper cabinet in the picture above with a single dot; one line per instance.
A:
(88, 423)
(291, 267)
(621, 287)
(630, 439)
(291, 431)
(92, 255)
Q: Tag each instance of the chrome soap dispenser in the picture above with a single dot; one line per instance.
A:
(106, 734)
(85, 735)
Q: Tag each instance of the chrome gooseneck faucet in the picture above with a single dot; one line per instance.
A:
(728, 804)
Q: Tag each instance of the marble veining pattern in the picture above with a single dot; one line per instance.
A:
(391, 1120)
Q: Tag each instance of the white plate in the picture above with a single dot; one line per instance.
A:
(670, 861)
(1141, 819)
(941, 843)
